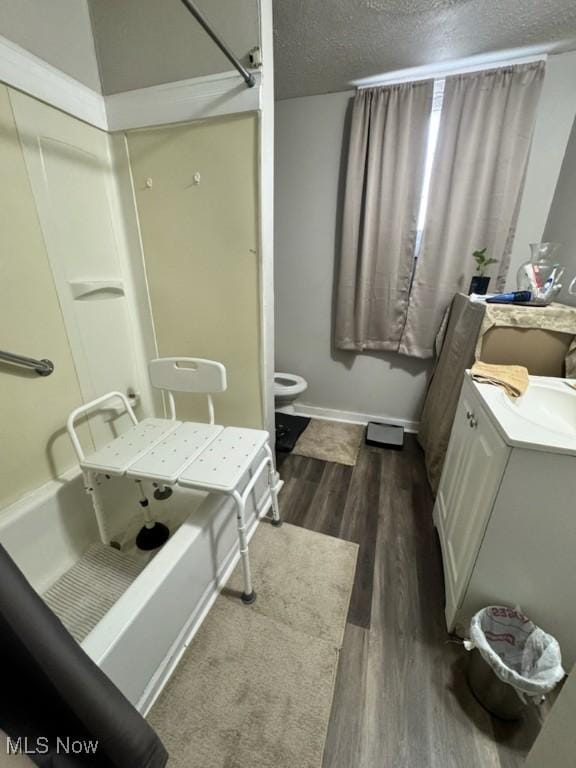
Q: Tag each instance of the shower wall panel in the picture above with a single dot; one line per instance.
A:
(196, 193)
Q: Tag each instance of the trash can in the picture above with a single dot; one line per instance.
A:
(499, 698)
(512, 661)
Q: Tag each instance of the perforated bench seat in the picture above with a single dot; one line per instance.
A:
(116, 457)
(206, 456)
(165, 461)
(223, 464)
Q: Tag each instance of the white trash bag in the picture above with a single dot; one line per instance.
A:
(519, 653)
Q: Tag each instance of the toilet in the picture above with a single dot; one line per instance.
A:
(287, 387)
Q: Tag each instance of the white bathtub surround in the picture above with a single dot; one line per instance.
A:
(48, 530)
(255, 687)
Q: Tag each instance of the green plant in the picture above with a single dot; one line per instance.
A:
(482, 261)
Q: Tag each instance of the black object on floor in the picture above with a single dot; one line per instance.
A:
(153, 537)
(53, 694)
(384, 435)
(288, 430)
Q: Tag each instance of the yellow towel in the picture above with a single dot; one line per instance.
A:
(512, 378)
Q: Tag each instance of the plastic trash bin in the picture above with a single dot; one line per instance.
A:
(513, 661)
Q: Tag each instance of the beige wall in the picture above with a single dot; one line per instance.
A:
(33, 410)
(148, 42)
(200, 249)
(58, 31)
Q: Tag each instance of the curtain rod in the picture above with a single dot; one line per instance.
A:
(201, 19)
(445, 69)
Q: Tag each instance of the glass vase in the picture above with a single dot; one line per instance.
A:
(533, 274)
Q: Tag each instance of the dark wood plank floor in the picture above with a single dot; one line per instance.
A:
(401, 698)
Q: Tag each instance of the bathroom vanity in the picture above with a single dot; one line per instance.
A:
(506, 506)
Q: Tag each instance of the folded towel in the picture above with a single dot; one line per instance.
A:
(512, 378)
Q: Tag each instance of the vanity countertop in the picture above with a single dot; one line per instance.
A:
(543, 418)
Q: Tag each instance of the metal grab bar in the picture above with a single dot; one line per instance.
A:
(201, 19)
(42, 367)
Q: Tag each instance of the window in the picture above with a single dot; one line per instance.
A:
(437, 100)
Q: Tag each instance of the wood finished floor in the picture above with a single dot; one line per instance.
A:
(401, 698)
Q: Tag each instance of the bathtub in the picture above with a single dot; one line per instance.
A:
(140, 640)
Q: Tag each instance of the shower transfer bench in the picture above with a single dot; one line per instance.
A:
(167, 452)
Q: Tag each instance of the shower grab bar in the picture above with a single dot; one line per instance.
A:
(42, 367)
(201, 19)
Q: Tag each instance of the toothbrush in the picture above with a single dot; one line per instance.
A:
(537, 277)
(530, 276)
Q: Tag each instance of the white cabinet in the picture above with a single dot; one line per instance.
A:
(506, 518)
(474, 466)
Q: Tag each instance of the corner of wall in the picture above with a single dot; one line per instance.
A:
(554, 120)
(266, 207)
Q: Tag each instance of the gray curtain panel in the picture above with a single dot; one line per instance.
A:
(50, 689)
(477, 179)
(385, 167)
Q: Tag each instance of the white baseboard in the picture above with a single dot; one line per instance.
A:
(351, 417)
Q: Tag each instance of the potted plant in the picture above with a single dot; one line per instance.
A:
(480, 282)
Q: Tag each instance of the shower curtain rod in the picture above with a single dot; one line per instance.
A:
(201, 19)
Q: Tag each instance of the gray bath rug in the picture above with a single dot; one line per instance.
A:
(333, 441)
(255, 687)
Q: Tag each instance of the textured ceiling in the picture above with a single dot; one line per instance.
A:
(323, 45)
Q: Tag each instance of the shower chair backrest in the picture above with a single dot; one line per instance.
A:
(188, 374)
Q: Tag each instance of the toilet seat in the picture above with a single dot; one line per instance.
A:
(289, 385)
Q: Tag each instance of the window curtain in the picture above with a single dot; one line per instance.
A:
(388, 135)
(476, 186)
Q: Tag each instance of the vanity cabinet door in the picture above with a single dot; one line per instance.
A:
(475, 462)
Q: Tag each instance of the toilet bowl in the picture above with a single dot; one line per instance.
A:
(287, 387)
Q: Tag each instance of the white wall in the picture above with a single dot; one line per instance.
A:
(554, 121)
(57, 31)
(309, 134)
(556, 744)
(561, 224)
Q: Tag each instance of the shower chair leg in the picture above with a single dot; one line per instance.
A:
(91, 484)
(248, 595)
(153, 534)
(276, 519)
